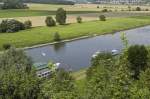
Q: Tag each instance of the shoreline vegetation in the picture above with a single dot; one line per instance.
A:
(42, 35)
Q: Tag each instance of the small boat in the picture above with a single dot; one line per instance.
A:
(57, 65)
(114, 52)
(43, 54)
(95, 54)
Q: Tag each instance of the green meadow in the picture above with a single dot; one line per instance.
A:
(40, 35)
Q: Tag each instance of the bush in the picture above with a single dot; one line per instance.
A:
(13, 4)
(79, 19)
(6, 46)
(50, 21)
(11, 25)
(137, 57)
(97, 6)
(57, 37)
(61, 16)
(104, 10)
(102, 18)
(146, 9)
(27, 24)
(138, 9)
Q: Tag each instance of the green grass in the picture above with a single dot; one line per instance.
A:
(39, 35)
(28, 13)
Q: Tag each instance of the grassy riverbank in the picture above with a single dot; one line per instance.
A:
(40, 35)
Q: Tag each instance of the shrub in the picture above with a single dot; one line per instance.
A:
(6, 46)
(138, 9)
(97, 6)
(13, 4)
(79, 19)
(146, 9)
(50, 21)
(57, 37)
(102, 18)
(27, 24)
(11, 25)
(61, 16)
(137, 57)
(104, 10)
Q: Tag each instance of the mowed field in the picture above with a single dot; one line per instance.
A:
(40, 35)
(89, 12)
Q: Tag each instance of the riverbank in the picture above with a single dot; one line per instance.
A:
(41, 35)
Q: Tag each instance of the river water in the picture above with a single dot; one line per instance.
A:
(77, 54)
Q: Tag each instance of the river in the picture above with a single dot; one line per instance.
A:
(77, 54)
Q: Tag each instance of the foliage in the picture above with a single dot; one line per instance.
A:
(104, 10)
(6, 46)
(11, 25)
(79, 19)
(57, 37)
(60, 86)
(50, 21)
(63, 2)
(102, 18)
(137, 57)
(17, 77)
(138, 9)
(13, 4)
(61, 16)
(27, 24)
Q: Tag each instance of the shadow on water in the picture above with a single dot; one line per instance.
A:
(59, 46)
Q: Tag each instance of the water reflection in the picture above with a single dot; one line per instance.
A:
(59, 46)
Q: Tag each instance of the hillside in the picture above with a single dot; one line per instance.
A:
(67, 2)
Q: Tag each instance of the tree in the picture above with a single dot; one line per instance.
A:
(11, 25)
(61, 16)
(57, 37)
(13, 4)
(17, 77)
(79, 19)
(102, 18)
(141, 88)
(28, 24)
(137, 57)
(50, 21)
(110, 79)
(138, 9)
(60, 86)
(6, 46)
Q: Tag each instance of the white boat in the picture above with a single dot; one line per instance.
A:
(95, 54)
(114, 52)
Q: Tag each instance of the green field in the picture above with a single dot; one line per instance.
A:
(50, 9)
(28, 13)
(39, 35)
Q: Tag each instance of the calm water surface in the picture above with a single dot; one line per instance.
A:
(77, 54)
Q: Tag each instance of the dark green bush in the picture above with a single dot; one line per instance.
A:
(79, 19)
(27, 24)
(56, 36)
(137, 57)
(138, 9)
(11, 25)
(13, 4)
(61, 16)
(146, 9)
(6, 46)
(102, 18)
(104, 10)
(50, 21)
